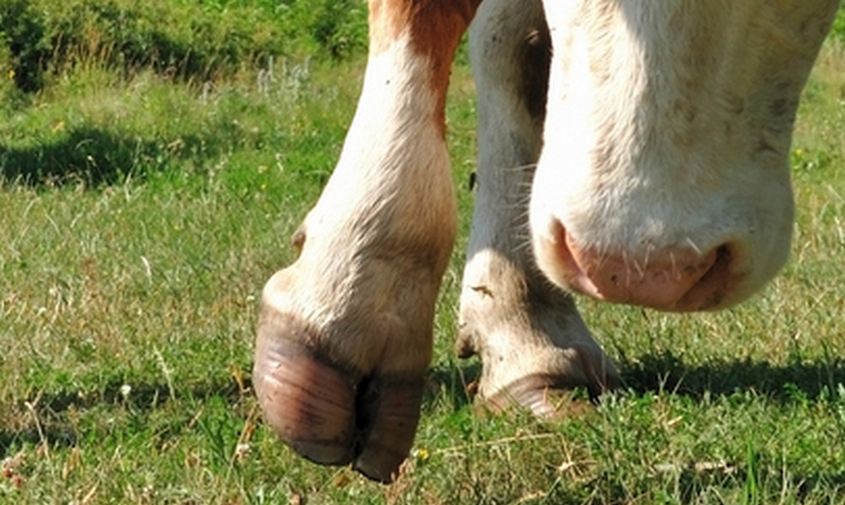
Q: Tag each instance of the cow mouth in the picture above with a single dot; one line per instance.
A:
(679, 279)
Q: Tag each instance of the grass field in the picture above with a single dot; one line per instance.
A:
(142, 209)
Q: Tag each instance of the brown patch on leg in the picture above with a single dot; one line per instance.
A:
(435, 27)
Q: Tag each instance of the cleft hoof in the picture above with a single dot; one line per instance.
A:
(331, 415)
(389, 413)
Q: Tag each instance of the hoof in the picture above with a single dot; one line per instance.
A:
(544, 381)
(534, 347)
(545, 396)
(331, 414)
(306, 400)
(388, 413)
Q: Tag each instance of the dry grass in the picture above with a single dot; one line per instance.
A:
(127, 317)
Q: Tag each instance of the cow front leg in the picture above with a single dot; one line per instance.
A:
(345, 333)
(529, 335)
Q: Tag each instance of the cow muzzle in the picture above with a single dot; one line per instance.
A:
(676, 279)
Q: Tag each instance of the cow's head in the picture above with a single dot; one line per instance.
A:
(664, 177)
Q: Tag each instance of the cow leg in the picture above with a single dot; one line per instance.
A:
(529, 334)
(345, 333)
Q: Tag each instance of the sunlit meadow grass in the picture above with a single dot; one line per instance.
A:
(141, 217)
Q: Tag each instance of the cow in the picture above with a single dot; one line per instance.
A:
(631, 151)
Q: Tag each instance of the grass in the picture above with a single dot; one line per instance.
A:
(142, 214)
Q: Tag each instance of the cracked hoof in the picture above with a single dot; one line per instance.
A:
(331, 414)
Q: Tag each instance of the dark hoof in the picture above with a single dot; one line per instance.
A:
(329, 414)
(544, 396)
(389, 410)
(551, 396)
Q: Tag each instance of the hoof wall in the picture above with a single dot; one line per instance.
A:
(334, 416)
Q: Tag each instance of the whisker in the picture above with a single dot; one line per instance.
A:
(523, 245)
(522, 168)
(640, 268)
(694, 246)
(675, 271)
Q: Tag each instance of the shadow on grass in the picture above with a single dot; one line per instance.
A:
(51, 415)
(797, 381)
(456, 383)
(667, 372)
(694, 485)
(54, 416)
(95, 157)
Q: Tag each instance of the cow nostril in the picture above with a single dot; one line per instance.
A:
(720, 266)
(673, 278)
(709, 291)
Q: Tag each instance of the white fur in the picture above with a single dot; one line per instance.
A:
(668, 126)
(518, 323)
(358, 280)
(659, 132)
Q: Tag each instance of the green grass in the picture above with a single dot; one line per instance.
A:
(206, 40)
(141, 215)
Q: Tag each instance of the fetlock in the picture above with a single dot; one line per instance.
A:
(531, 340)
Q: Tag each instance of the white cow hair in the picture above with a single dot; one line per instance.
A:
(667, 126)
(656, 138)
(391, 191)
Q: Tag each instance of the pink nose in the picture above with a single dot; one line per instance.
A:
(674, 279)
